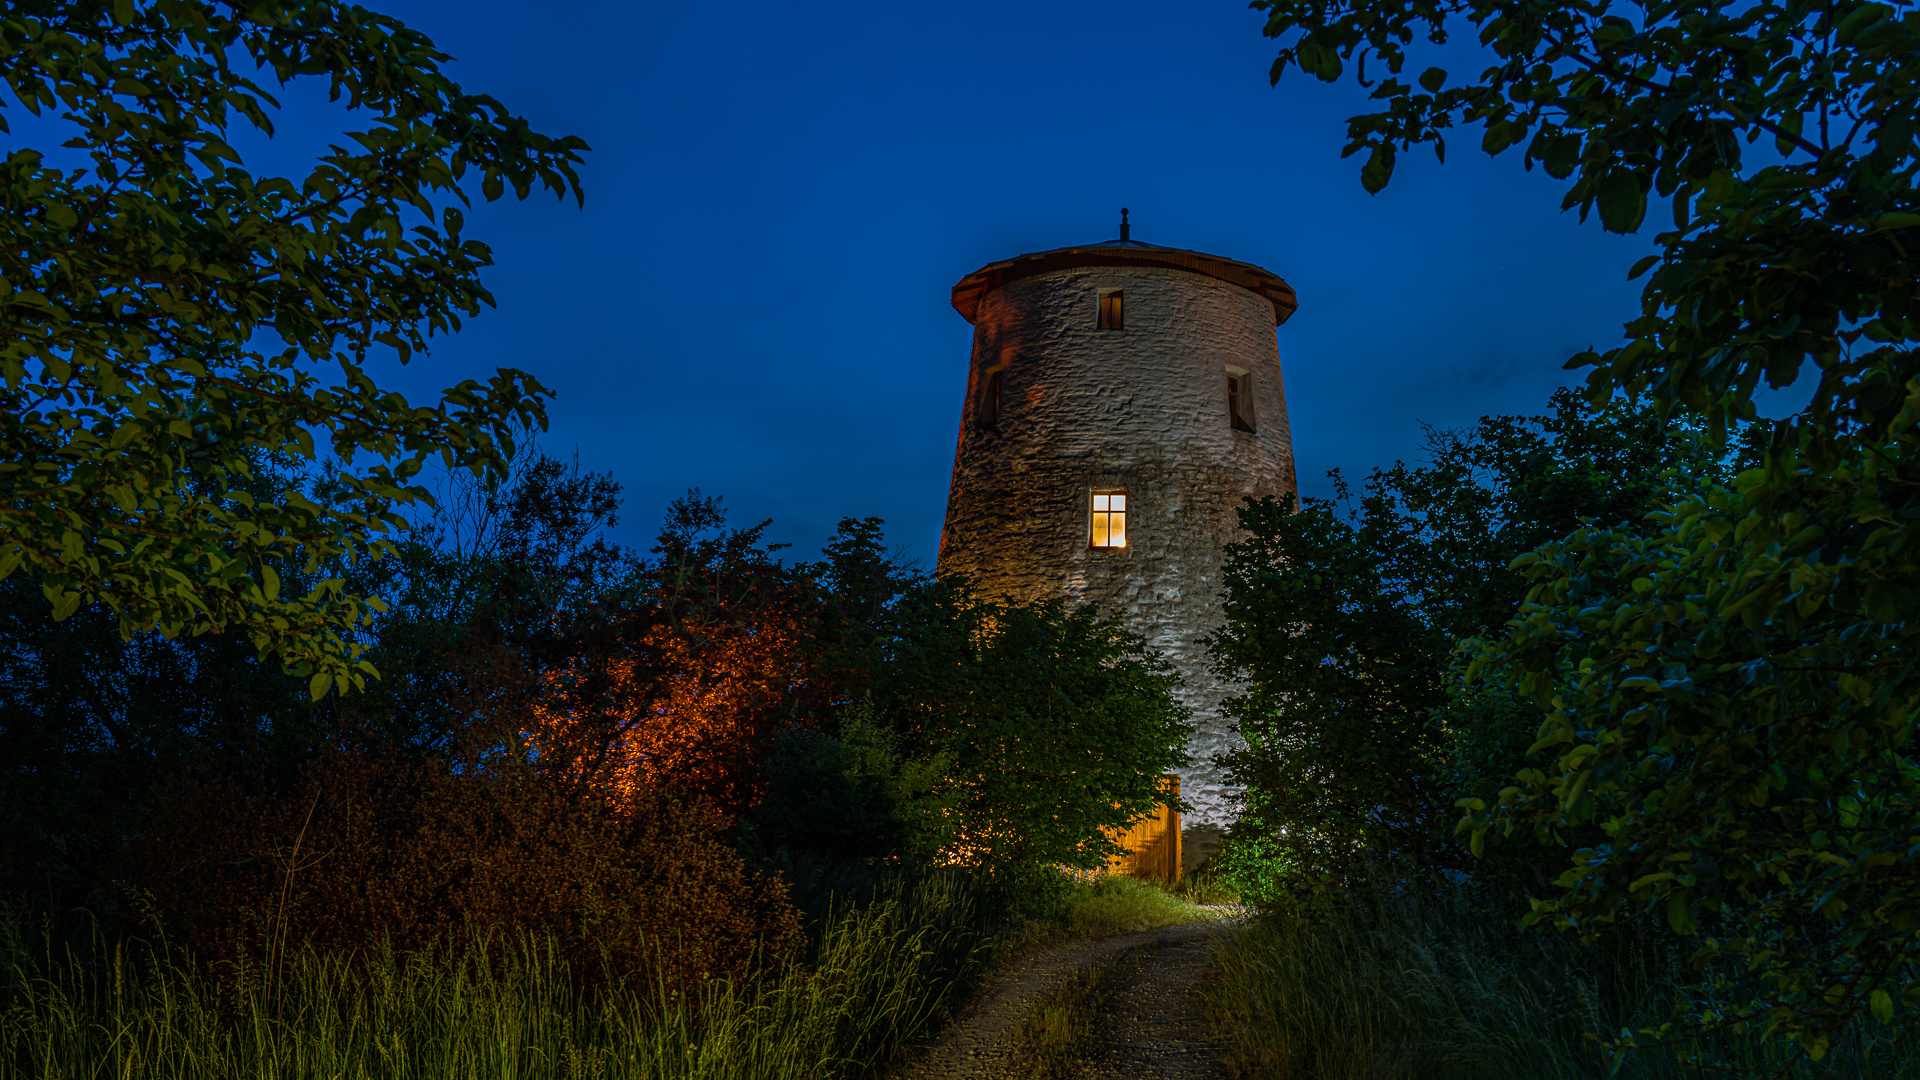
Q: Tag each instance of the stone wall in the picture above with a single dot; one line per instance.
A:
(1143, 408)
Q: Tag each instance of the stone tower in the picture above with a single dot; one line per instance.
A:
(1123, 400)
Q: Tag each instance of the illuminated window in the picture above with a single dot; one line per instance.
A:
(1112, 314)
(988, 414)
(1240, 400)
(1110, 518)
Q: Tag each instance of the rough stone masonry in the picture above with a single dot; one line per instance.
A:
(1122, 368)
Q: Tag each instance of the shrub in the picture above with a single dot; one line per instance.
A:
(1058, 723)
(1429, 985)
(365, 851)
(855, 796)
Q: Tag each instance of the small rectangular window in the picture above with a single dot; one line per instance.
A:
(988, 414)
(1240, 401)
(1112, 311)
(1110, 519)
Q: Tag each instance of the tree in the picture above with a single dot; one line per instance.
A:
(93, 723)
(688, 675)
(487, 591)
(1343, 617)
(1732, 700)
(1802, 256)
(166, 314)
(1056, 723)
(95, 727)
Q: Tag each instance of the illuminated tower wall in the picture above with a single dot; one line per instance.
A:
(1122, 368)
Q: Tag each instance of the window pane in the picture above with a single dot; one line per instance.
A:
(1100, 502)
(1119, 502)
(1119, 530)
(1100, 530)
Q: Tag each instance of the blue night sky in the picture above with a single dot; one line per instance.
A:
(780, 197)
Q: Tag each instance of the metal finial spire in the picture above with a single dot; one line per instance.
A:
(1125, 229)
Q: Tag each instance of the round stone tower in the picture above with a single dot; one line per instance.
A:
(1123, 400)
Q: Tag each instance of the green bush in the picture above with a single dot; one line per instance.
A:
(1401, 986)
(1344, 617)
(1057, 723)
(855, 796)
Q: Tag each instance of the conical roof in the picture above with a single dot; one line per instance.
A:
(968, 293)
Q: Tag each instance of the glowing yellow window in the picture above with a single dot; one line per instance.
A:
(1110, 519)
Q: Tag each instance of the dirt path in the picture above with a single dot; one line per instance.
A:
(1153, 1030)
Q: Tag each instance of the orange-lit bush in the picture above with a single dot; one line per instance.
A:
(692, 708)
(364, 850)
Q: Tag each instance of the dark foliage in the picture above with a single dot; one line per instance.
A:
(1345, 618)
(1057, 723)
(573, 739)
(369, 850)
(1729, 701)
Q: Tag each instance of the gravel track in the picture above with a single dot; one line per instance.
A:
(1153, 1029)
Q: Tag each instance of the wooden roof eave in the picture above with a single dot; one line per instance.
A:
(973, 288)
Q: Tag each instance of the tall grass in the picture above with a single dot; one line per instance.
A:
(1208, 885)
(1103, 905)
(1410, 989)
(1063, 1028)
(510, 1011)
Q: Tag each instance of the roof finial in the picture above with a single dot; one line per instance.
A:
(1125, 229)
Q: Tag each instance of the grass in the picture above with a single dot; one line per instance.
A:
(882, 976)
(1411, 990)
(1061, 1031)
(1104, 906)
(1205, 886)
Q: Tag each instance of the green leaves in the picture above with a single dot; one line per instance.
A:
(1057, 724)
(1855, 687)
(1318, 59)
(1730, 696)
(1378, 169)
(1680, 915)
(1847, 31)
(133, 292)
(1730, 690)
(1344, 626)
(1748, 751)
(1766, 267)
(1623, 204)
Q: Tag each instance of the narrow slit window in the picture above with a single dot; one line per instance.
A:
(1110, 519)
(1112, 311)
(989, 412)
(1240, 401)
